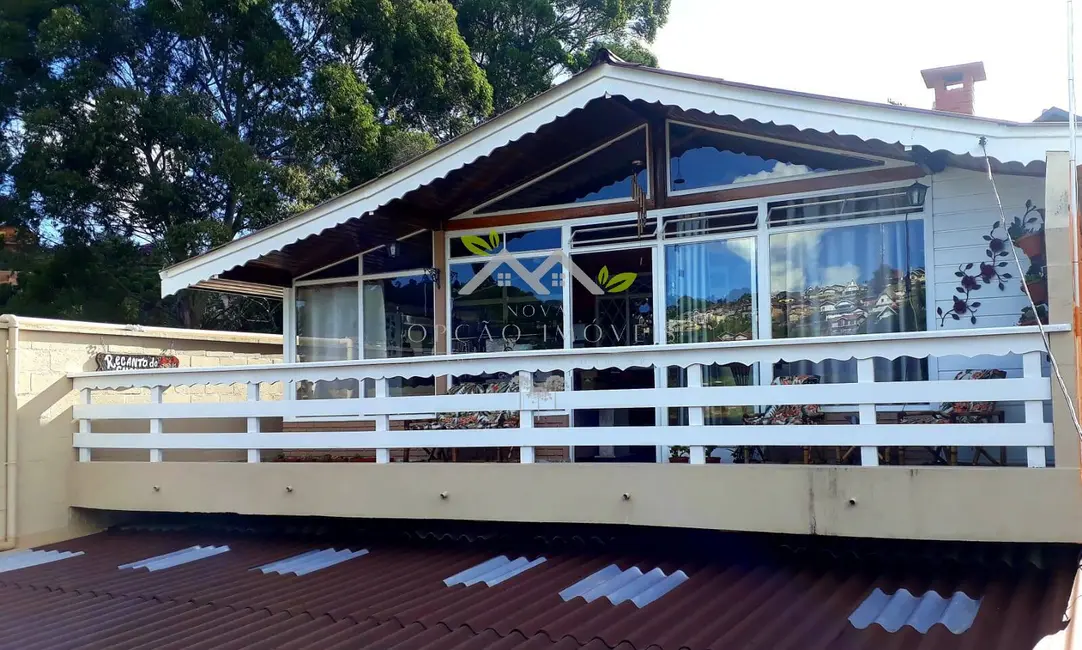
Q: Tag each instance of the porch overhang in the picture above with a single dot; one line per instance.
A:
(451, 178)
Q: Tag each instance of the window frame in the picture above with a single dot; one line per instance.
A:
(888, 163)
(474, 212)
(289, 325)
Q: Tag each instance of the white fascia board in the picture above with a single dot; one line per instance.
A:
(933, 130)
(958, 134)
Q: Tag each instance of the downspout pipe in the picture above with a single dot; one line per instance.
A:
(11, 465)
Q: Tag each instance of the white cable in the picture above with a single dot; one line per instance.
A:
(1021, 281)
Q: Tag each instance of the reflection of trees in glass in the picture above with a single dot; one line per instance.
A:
(890, 301)
(694, 320)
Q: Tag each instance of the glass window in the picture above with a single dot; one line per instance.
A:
(533, 240)
(708, 293)
(603, 175)
(497, 308)
(398, 317)
(823, 209)
(411, 253)
(848, 280)
(344, 269)
(613, 233)
(700, 158)
(623, 312)
(520, 241)
(708, 223)
(327, 331)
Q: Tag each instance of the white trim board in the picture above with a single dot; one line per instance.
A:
(935, 131)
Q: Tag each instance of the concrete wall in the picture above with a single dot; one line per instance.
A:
(965, 503)
(44, 352)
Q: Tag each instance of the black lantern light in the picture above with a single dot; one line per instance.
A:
(915, 194)
(433, 274)
(392, 249)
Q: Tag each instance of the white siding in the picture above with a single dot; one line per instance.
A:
(963, 211)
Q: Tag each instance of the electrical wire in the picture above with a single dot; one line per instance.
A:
(1021, 280)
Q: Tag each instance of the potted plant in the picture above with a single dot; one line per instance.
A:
(1027, 231)
(679, 454)
(1029, 318)
(1036, 281)
(710, 458)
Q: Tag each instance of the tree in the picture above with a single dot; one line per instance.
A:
(137, 133)
(182, 123)
(525, 45)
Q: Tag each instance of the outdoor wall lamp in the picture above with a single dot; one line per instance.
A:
(433, 274)
(392, 249)
(915, 194)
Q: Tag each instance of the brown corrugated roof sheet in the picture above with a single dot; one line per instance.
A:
(736, 596)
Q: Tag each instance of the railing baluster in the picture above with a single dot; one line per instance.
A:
(84, 426)
(697, 455)
(869, 456)
(525, 417)
(1031, 367)
(156, 423)
(383, 456)
(253, 423)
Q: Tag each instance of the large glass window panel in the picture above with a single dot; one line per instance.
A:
(327, 330)
(700, 158)
(623, 314)
(506, 311)
(855, 279)
(708, 292)
(398, 317)
(603, 175)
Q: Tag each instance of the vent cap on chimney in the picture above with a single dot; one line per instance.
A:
(953, 85)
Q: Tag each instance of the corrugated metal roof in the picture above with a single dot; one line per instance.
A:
(395, 597)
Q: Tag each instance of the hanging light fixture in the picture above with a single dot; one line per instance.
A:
(915, 194)
(392, 249)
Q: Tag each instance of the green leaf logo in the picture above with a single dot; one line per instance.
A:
(620, 282)
(616, 283)
(480, 245)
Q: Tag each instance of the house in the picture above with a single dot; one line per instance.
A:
(538, 262)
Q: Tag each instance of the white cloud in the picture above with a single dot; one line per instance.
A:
(780, 169)
(842, 274)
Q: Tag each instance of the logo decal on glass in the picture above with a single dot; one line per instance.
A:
(485, 247)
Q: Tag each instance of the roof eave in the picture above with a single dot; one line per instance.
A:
(958, 134)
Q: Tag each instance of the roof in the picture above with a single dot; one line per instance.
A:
(427, 190)
(228, 590)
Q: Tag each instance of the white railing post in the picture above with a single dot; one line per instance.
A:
(84, 426)
(156, 423)
(525, 417)
(1031, 368)
(383, 456)
(253, 423)
(869, 456)
(697, 455)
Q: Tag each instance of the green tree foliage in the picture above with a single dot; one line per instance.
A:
(137, 133)
(524, 45)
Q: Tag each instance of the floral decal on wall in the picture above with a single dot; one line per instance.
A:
(974, 275)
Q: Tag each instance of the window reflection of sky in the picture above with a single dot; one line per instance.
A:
(800, 260)
(714, 271)
(707, 166)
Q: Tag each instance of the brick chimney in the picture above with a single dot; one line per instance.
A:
(953, 86)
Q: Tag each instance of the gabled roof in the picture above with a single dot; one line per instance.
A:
(897, 127)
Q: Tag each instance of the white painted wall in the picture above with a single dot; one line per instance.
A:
(963, 211)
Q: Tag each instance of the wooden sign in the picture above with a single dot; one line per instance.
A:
(111, 362)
